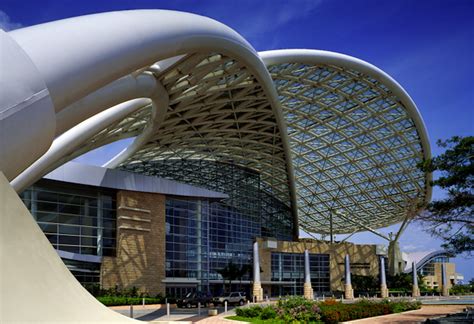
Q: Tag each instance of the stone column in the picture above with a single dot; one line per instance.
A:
(348, 291)
(415, 292)
(445, 291)
(395, 259)
(257, 286)
(308, 289)
(383, 279)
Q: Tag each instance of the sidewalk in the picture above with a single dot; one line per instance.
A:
(412, 317)
(203, 319)
(157, 314)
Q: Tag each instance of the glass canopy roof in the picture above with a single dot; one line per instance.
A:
(354, 147)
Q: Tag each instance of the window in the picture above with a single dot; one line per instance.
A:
(69, 216)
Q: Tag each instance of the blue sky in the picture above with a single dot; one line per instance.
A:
(426, 45)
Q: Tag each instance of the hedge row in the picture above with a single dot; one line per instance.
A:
(122, 300)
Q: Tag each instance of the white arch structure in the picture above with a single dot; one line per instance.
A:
(334, 138)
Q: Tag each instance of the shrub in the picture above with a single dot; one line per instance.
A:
(335, 312)
(461, 289)
(249, 312)
(403, 306)
(268, 312)
(329, 302)
(123, 300)
(298, 309)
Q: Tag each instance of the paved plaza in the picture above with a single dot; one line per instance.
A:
(157, 313)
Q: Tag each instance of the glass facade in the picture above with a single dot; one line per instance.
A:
(288, 273)
(77, 219)
(429, 268)
(203, 236)
(85, 272)
(248, 195)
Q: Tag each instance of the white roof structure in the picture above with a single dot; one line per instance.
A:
(333, 137)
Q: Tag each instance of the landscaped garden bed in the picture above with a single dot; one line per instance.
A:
(118, 297)
(122, 300)
(300, 310)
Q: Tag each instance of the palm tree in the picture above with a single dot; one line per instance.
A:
(244, 269)
(230, 272)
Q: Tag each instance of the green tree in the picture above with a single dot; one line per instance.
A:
(243, 271)
(365, 283)
(452, 218)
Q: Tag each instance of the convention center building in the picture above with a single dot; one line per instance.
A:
(232, 157)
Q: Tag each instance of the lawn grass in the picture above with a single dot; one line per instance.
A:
(255, 320)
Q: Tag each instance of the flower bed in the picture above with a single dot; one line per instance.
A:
(300, 310)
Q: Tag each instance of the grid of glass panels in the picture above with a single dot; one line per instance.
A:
(289, 267)
(74, 218)
(203, 236)
(86, 273)
(429, 268)
(186, 238)
(231, 235)
(247, 194)
(355, 148)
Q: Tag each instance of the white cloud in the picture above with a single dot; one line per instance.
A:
(6, 24)
(258, 21)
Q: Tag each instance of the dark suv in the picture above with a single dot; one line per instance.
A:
(193, 298)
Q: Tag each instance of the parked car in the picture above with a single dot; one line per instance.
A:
(231, 298)
(193, 299)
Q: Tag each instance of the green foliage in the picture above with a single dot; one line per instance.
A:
(115, 296)
(96, 291)
(462, 289)
(452, 218)
(400, 282)
(338, 312)
(261, 312)
(230, 272)
(402, 306)
(365, 283)
(300, 310)
(256, 320)
(268, 312)
(122, 300)
(252, 311)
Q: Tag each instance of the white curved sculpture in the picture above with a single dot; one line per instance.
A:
(188, 87)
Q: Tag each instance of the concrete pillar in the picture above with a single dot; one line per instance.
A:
(415, 290)
(395, 259)
(348, 291)
(257, 285)
(383, 279)
(308, 289)
(445, 290)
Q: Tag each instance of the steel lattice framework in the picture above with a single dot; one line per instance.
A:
(217, 111)
(355, 148)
